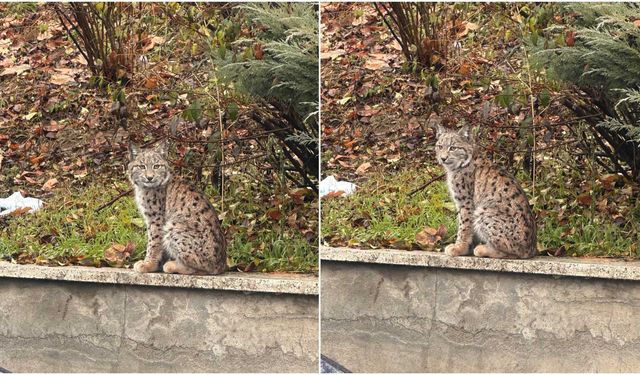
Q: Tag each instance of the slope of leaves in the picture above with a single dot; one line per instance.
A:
(60, 142)
(376, 117)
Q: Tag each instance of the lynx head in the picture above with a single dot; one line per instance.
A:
(454, 148)
(149, 168)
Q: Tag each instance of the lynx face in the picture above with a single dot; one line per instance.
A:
(149, 168)
(453, 148)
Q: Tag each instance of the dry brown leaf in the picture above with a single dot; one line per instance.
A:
(19, 211)
(291, 220)
(118, 254)
(150, 83)
(362, 169)
(570, 38)
(152, 42)
(376, 62)
(61, 79)
(274, 213)
(466, 27)
(428, 238)
(584, 199)
(609, 181)
(50, 184)
(15, 70)
(330, 55)
(333, 194)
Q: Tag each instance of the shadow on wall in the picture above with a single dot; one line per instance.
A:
(329, 366)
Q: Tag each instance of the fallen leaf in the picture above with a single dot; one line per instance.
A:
(291, 220)
(466, 27)
(609, 181)
(50, 184)
(376, 61)
(570, 38)
(15, 70)
(330, 55)
(557, 252)
(61, 79)
(602, 205)
(274, 213)
(299, 194)
(584, 199)
(428, 238)
(150, 83)
(362, 169)
(152, 42)
(118, 254)
(258, 51)
(19, 211)
(333, 194)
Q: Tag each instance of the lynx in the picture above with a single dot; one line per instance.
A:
(493, 210)
(183, 231)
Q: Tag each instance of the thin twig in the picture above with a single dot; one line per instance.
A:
(114, 200)
(215, 77)
(413, 192)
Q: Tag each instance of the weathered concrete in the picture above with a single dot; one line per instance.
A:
(68, 326)
(395, 318)
(243, 282)
(583, 267)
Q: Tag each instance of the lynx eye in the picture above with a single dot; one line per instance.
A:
(141, 166)
(156, 166)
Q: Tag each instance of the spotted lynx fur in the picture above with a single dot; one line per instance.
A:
(183, 231)
(493, 210)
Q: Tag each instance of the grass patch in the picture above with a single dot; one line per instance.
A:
(68, 226)
(69, 231)
(381, 214)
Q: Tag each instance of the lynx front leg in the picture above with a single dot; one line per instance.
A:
(462, 246)
(153, 258)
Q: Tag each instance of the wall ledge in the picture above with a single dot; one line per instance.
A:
(604, 268)
(280, 283)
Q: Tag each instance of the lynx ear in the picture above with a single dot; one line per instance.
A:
(162, 147)
(465, 132)
(440, 129)
(133, 151)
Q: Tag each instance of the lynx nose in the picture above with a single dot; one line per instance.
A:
(149, 178)
(443, 159)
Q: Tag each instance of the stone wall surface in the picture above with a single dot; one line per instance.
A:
(62, 326)
(395, 318)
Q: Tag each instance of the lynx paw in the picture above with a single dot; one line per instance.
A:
(488, 251)
(146, 266)
(169, 267)
(177, 267)
(456, 249)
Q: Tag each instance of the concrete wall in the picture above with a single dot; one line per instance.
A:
(398, 318)
(62, 326)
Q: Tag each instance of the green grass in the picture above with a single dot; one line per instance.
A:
(69, 226)
(69, 231)
(608, 225)
(381, 214)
